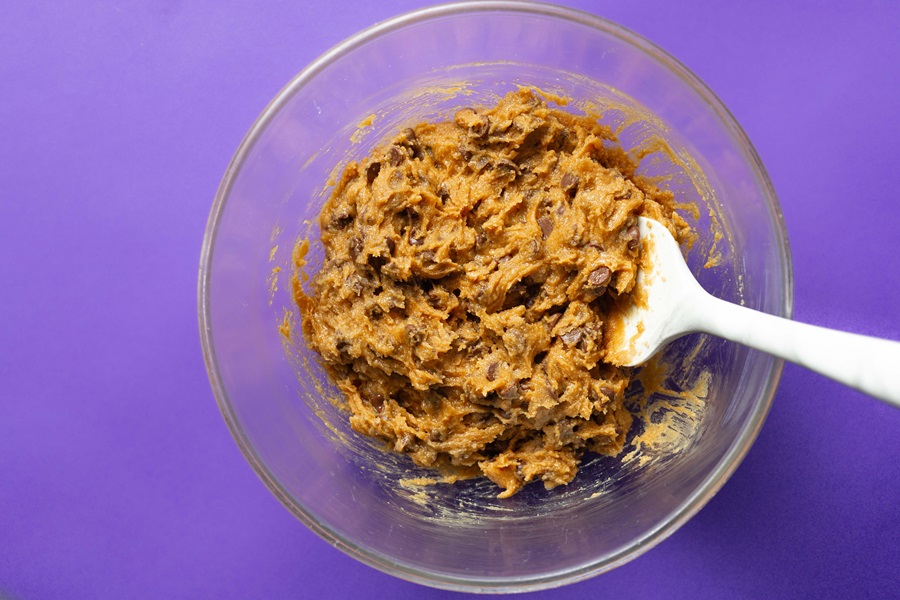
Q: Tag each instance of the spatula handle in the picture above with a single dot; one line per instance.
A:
(868, 364)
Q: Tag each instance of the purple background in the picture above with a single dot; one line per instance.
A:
(118, 477)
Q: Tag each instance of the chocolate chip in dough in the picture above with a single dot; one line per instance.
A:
(572, 337)
(569, 183)
(599, 277)
(356, 246)
(492, 371)
(511, 392)
(341, 219)
(480, 127)
(546, 226)
(633, 238)
(372, 172)
(395, 156)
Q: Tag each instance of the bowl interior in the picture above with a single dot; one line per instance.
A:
(708, 398)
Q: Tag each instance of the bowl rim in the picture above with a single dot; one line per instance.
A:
(711, 485)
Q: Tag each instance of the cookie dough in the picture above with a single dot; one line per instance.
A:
(470, 266)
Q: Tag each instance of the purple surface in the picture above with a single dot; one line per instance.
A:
(118, 477)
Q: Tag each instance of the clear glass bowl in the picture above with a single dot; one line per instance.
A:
(276, 399)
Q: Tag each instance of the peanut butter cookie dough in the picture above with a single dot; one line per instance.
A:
(469, 268)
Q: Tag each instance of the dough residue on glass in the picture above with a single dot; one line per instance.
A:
(469, 269)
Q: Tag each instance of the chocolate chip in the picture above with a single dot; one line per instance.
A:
(566, 429)
(397, 178)
(414, 241)
(515, 341)
(395, 156)
(341, 219)
(511, 392)
(480, 238)
(356, 246)
(552, 319)
(569, 183)
(505, 163)
(414, 334)
(572, 337)
(376, 401)
(492, 371)
(595, 246)
(412, 142)
(599, 277)
(480, 127)
(372, 172)
(434, 300)
(546, 226)
(633, 237)
(391, 244)
(358, 284)
(404, 442)
(608, 392)
(517, 289)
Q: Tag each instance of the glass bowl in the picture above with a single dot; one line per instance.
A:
(709, 398)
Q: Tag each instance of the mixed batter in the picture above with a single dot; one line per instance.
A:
(470, 266)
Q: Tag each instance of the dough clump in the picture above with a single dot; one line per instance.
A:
(470, 267)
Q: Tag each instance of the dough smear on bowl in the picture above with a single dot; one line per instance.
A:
(470, 267)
